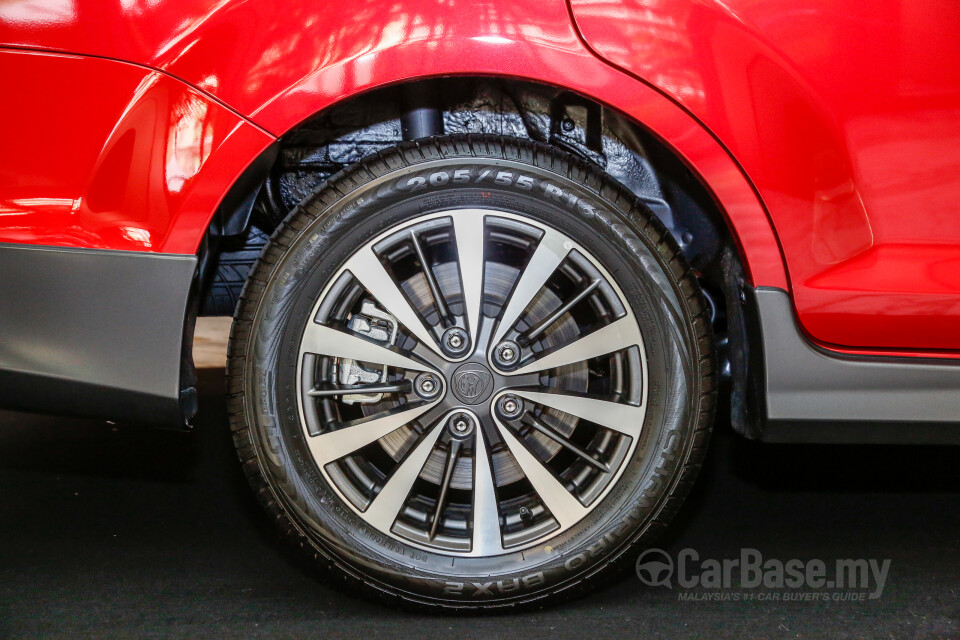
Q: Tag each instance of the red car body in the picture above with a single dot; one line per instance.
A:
(828, 132)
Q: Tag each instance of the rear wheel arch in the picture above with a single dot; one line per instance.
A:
(629, 151)
(632, 152)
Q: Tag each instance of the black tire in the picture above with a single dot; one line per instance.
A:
(363, 201)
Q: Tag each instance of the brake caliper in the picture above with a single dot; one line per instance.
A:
(374, 324)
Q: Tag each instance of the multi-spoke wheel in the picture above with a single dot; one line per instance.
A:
(471, 374)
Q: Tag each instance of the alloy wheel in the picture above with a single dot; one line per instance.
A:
(472, 382)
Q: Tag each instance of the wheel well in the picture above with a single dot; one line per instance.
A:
(341, 135)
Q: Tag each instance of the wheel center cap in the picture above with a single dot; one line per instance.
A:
(472, 383)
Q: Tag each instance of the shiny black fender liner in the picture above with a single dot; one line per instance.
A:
(94, 333)
(811, 395)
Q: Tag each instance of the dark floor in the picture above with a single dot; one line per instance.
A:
(125, 532)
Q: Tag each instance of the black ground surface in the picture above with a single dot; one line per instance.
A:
(121, 531)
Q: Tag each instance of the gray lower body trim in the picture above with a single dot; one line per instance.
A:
(93, 333)
(815, 396)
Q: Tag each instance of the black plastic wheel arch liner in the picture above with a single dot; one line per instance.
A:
(808, 394)
(94, 333)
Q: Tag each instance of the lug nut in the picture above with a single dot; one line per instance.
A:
(461, 424)
(454, 341)
(509, 407)
(427, 386)
(507, 354)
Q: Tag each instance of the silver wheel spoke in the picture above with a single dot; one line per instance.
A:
(327, 341)
(622, 418)
(383, 511)
(468, 229)
(487, 538)
(561, 503)
(369, 271)
(334, 445)
(615, 336)
(550, 252)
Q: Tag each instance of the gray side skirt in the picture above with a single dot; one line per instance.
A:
(815, 396)
(93, 333)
